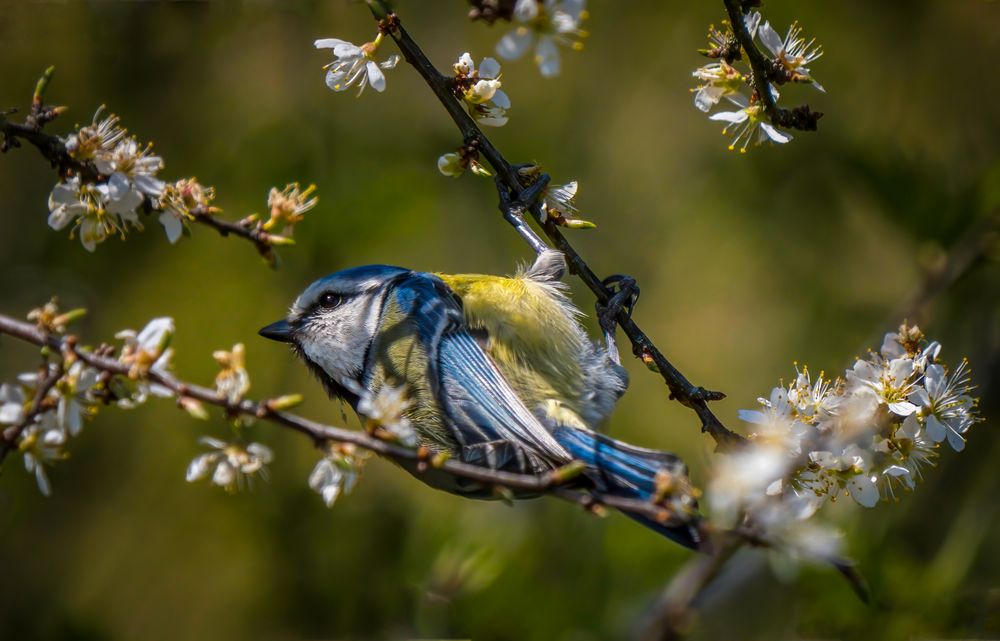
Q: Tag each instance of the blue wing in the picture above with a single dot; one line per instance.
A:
(489, 422)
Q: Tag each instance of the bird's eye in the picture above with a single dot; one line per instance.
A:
(330, 300)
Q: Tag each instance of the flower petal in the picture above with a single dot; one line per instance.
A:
(770, 38)
(172, 225)
(547, 56)
(863, 490)
(375, 77)
(489, 68)
(515, 43)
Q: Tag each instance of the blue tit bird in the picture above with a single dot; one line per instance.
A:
(499, 371)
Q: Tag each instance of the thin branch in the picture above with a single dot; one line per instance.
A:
(671, 615)
(420, 460)
(802, 117)
(680, 387)
(973, 246)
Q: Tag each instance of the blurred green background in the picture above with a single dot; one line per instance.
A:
(747, 263)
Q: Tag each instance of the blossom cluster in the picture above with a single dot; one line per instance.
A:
(869, 435)
(46, 407)
(336, 473)
(123, 183)
(127, 182)
(790, 62)
(384, 414)
(230, 465)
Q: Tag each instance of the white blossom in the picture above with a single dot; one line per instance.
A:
(945, 406)
(146, 352)
(332, 476)
(750, 124)
(41, 445)
(868, 436)
(176, 202)
(891, 380)
(544, 25)
(718, 79)
(354, 65)
(233, 380)
(12, 404)
(72, 391)
(232, 466)
(92, 210)
(794, 53)
(386, 409)
(131, 171)
(480, 90)
(102, 135)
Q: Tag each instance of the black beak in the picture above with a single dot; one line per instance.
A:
(280, 331)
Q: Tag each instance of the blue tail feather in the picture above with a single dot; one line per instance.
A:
(627, 471)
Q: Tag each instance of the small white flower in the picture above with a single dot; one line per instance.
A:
(890, 380)
(794, 52)
(558, 203)
(544, 24)
(94, 211)
(851, 469)
(131, 169)
(74, 400)
(66, 203)
(288, 207)
(718, 79)
(146, 352)
(233, 380)
(480, 90)
(12, 403)
(354, 65)
(741, 480)
(332, 477)
(102, 135)
(776, 423)
(945, 406)
(914, 446)
(386, 409)
(750, 124)
(42, 444)
(232, 466)
(177, 201)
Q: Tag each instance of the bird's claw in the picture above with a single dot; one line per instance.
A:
(517, 205)
(624, 295)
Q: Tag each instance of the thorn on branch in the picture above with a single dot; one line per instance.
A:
(802, 118)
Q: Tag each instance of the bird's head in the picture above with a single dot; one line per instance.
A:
(333, 322)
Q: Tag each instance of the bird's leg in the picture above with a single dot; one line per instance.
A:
(624, 294)
(514, 208)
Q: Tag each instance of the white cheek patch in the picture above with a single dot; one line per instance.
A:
(338, 340)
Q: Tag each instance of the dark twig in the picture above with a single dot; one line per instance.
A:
(422, 459)
(671, 615)
(981, 238)
(764, 71)
(681, 388)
